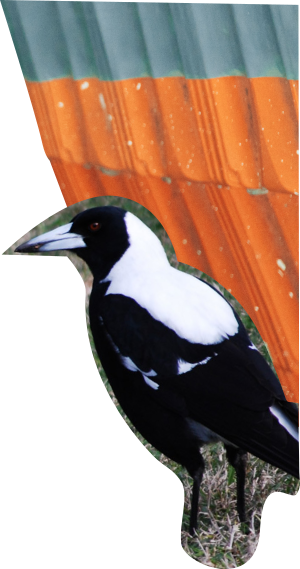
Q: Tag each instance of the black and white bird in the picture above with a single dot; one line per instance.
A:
(176, 354)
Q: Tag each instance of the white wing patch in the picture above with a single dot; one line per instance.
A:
(184, 367)
(194, 310)
(129, 364)
(285, 421)
(150, 382)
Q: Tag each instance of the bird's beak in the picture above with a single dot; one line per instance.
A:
(58, 239)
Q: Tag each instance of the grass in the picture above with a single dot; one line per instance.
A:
(220, 541)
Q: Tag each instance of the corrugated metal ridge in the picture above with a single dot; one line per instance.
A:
(230, 131)
(92, 39)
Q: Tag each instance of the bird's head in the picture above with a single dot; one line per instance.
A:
(100, 236)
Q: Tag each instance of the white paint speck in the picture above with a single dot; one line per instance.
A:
(129, 142)
(102, 101)
(281, 264)
(138, 86)
(291, 294)
(60, 105)
(184, 241)
(84, 85)
(198, 252)
(256, 308)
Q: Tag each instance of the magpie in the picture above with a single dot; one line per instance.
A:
(175, 352)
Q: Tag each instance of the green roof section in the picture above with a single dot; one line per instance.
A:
(124, 40)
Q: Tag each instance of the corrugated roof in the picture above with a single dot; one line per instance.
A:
(191, 110)
(124, 40)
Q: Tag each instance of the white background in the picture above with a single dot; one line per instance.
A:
(76, 487)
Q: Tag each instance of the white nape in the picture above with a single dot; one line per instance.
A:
(186, 305)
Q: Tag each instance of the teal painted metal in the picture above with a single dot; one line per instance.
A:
(123, 40)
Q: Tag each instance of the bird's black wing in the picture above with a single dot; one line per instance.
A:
(150, 344)
(228, 387)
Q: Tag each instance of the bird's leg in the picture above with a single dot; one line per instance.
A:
(237, 458)
(197, 479)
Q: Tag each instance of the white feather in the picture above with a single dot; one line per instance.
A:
(127, 361)
(285, 421)
(150, 382)
(183, 303)
(184, 367)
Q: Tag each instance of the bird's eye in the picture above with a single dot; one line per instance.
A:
(95, 226)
